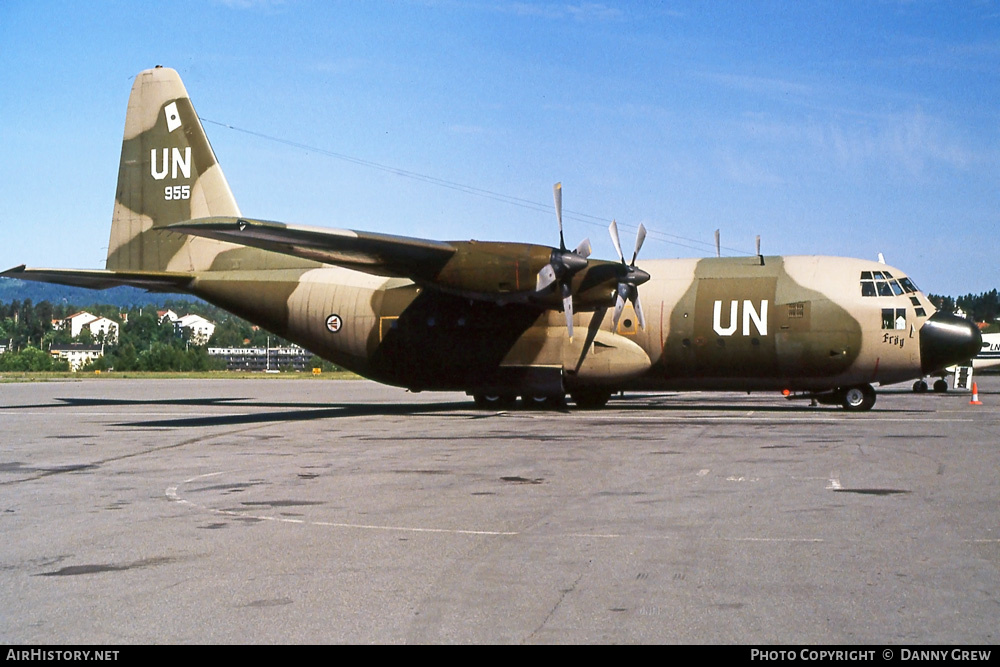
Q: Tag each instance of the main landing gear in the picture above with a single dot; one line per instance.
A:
(940, 386)
(587, 399)
(509, 401)
(857, 399)
(591, 399)
(495, 401)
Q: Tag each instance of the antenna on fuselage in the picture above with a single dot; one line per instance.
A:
(718, 246)
(881, 258)
(759, 256)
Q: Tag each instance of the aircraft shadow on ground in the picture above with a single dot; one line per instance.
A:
(111, 402)
(307, 411)
(652, 402)
(302, 412)
(288, 410)
(293, 412)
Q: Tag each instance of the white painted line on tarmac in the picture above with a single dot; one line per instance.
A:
(833, 483)
(173, 494)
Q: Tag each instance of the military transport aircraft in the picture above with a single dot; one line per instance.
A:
(506, 320)
(988, 357)
(989, 353)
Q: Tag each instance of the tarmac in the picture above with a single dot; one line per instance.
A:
(304, 511)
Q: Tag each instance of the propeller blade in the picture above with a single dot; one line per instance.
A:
(619, 304)
(613, 228)
(546, 277)
(557, 197)
(639, 238)
(563, 264)
(638, 309)
(568, 310)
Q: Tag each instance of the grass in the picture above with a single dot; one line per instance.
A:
(63, 376)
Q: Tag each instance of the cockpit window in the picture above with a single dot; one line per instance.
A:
(882, 283)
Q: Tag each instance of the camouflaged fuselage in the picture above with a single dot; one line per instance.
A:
(478, 316)
(789, 322)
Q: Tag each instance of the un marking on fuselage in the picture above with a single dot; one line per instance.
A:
(758, 316)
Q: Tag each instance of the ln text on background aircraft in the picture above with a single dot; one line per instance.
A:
(506, 320)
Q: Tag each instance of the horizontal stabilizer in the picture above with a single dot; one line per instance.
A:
(153, 281)
(378, 254)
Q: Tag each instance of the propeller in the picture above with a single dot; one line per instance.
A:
(563, 264)
(629, 277)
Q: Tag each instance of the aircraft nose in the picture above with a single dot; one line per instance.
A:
(947, 339)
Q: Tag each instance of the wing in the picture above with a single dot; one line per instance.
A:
(379, 254)
(492, 271)
(153, 281)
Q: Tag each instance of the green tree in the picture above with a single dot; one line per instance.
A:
(29, 359)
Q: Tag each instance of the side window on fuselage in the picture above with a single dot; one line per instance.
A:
(893, 318)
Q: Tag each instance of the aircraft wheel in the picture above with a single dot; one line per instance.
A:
(941, 386)
(494, 401)
(539, 402)
(591, 399)
(920, 386)
(859, 398)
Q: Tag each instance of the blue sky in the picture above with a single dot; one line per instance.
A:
(838, 128)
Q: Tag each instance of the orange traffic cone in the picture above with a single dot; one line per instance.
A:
(975, 395)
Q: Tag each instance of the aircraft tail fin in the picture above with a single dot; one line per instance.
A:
(168, 173)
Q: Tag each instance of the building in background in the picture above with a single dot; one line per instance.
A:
(77, 354)
(200, 328)
(101, 328)
(293, 358)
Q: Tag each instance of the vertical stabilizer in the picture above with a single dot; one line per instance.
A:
(168, 173)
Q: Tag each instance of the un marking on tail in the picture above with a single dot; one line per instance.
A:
(178, 162)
